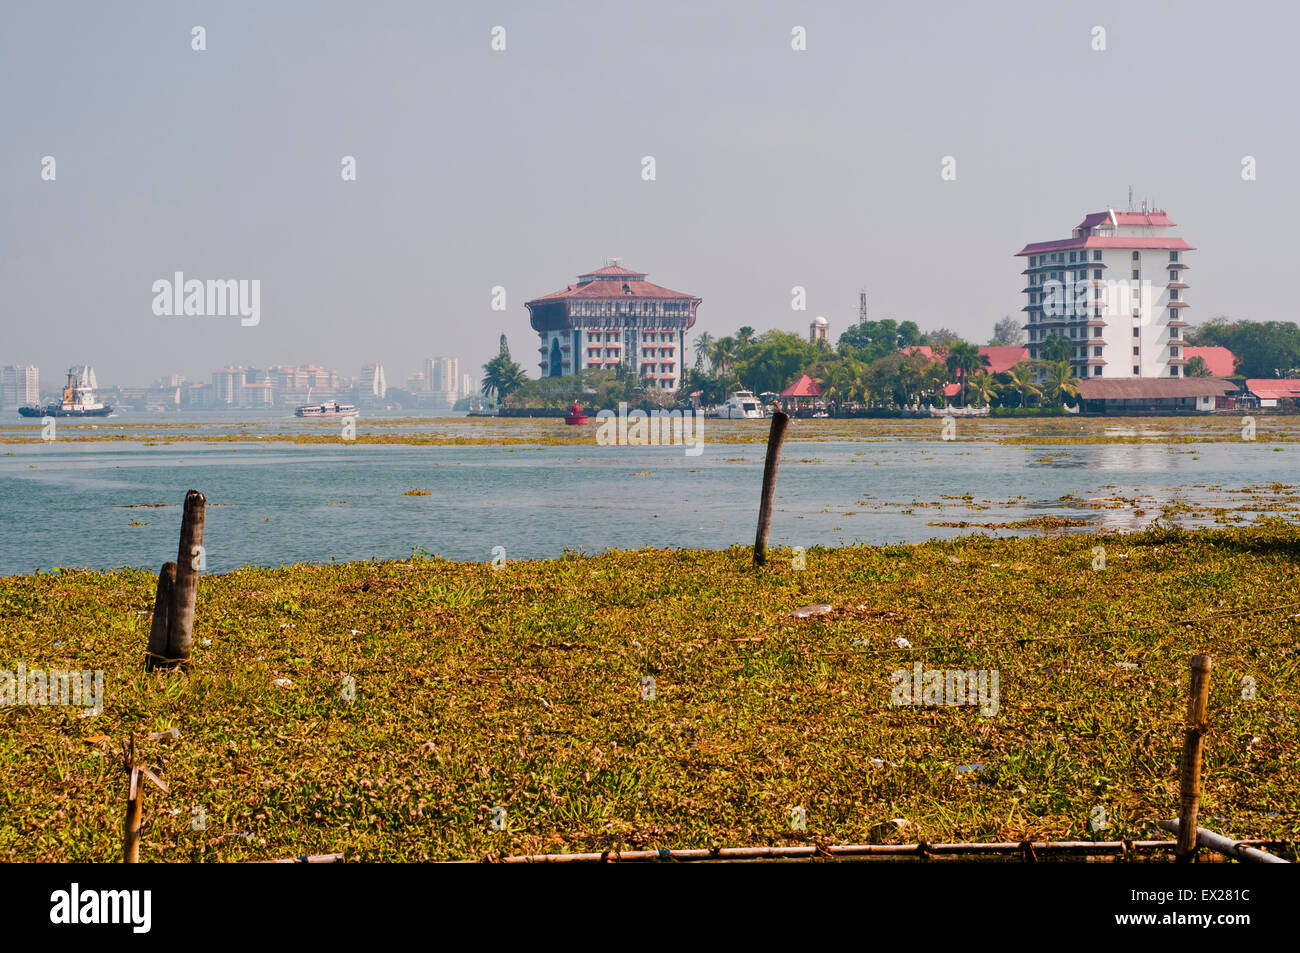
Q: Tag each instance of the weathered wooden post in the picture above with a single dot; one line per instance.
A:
(775, 438)
(1189, 782)
(162, 610)
(189, 559)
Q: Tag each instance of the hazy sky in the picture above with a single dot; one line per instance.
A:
(523, 168)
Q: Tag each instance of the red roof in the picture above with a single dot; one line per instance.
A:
(1126, 218)
(951, 390)
(1105, 241)
(1271, 388)
(1003, 358)
(805, 386)
(605, 283)
(1220, 361)
(613, 271)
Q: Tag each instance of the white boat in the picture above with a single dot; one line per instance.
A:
(326, 410)
(741, 405)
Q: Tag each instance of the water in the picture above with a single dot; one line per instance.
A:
(69, 504)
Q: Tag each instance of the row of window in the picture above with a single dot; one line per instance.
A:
(1036, 260)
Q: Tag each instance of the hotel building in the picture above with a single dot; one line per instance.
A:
(614, 317)
(1115, 290)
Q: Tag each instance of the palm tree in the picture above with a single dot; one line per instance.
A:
(722, 356)
(501, 377)
(1022, 381)
(1197, 367)
(984, 387)
(703, 345)
(744, 336)
(964, 359)
(1060, 383)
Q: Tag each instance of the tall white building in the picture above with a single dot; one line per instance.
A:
(1115, 290)
(442, 377)
(372, 385)
(466, 385)
(20, 385)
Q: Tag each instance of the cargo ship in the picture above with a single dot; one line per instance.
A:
(331, 408)
(77, 401)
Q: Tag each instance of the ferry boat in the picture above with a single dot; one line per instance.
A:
(326, 410)
(77, 401)
(741, 405)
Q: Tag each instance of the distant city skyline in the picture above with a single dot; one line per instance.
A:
(909, 149)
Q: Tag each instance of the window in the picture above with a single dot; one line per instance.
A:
(1173, 332)
(1173, 371)
(1137, 332)
(1136, 274)
(1173, 352)
(1096, 272)
(1096, 332)
(1135, 256)
(1096, 352)
(1173, 256)
(1137, 370)
(1173, 294)
(1096, 371)
(1072, 257)
(1096, 255)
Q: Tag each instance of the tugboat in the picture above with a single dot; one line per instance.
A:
(576, 416)
(326, 410)
(77, 401)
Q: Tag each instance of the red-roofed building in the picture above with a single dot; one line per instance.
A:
(614, 316)
(1270, 390)
(1000, 358)
(1220, 361)
(1115, 289)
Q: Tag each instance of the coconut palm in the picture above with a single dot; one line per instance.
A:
(984, 387)
(1060, 383)
(1022, 380)
(722, 356)
(501, 377)
(703, 345)
(964, 359)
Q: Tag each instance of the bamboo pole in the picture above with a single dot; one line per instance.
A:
(1238, 850)
(134, 819)
(180, 622)
(882, 851)
(162, 604)
(775, 437)
(1193, 747)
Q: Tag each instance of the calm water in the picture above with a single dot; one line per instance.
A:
(72, 504)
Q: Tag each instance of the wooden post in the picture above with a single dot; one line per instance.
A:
(775, 438)
(180, 621)
(162, 606)
(1189, 782)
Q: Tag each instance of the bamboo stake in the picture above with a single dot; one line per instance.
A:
(775, 438)
(1193, 747)
(180, 622)
(1238, 850)
(883, 851)
(162, 605)
(134, 819)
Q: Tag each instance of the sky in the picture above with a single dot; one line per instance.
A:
(522, 168)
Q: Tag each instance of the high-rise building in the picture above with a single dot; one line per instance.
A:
(1115, 291)
(20, 385)
(228, 386)
(85, 375)
(614, 316)
(415, 383)
(467, 385)
(372, 385)
(442, 378)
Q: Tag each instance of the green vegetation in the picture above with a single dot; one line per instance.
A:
(1262, 348)
(521, 688)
